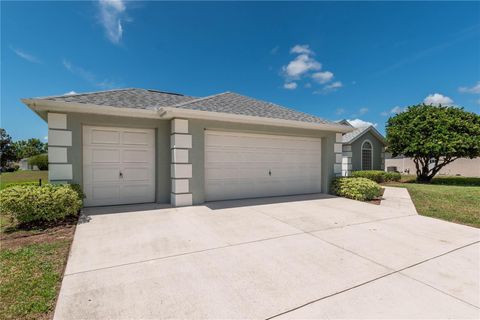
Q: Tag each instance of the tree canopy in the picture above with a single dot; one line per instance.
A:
(13, 151)
(433, 136)
(7, 151)
(29, 148)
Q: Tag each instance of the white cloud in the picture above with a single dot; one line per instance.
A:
(302, 49)
(45, 138)
(329, 88)
(26, 56)
(88, 76)
(69, 93)
(359, 123)
(274, 50)
(437, 98)
(340, 111)
(305, 66)
(111, 16)
(397, 109)
(474, 89)
(333, 86)
(394, 110)
(363, 110)
(308, 85)
(301, 65)
(322, 77)
(290, 85)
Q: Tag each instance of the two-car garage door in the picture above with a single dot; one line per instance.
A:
(245, 165)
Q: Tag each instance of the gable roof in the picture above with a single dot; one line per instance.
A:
(350, 137)
(226, 106)
(345, 122)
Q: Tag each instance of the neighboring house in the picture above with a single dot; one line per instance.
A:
(461, 167)
(363, 149)
(137, 146)
(24, 165)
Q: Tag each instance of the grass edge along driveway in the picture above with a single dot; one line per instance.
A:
(454, 199)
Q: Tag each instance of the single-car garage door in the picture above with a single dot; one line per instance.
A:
(118, 165)
(245, 165)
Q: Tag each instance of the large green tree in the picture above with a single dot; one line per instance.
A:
(433, 136)
(29, 148)
(7, 151)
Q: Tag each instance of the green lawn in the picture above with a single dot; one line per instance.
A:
(455, 199)
(30, 278)
(31, 261)
(22, 176)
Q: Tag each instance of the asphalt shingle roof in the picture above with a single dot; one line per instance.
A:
(234, 103)
(350, 136)
(227, 102)
(126, 98)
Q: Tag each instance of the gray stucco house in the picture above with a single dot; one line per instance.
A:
(363, 149)
(137, 146)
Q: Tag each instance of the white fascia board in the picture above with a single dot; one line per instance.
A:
(169, 113)
(39, 105)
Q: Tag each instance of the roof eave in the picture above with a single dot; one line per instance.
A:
(169, 113)
(42, 106)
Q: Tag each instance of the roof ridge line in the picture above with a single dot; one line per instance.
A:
(85, 93)
(197, 100)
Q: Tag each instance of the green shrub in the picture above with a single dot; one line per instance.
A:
(392, 176)
(33, 204)
(356, 188)
(374, 175)
(41, 161)
(377, 175)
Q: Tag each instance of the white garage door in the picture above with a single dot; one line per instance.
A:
(243, 165)
(118, 165)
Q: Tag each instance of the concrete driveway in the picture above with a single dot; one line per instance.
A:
(311, 256)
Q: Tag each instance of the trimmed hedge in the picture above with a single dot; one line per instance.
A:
(392, 176)
(362, 189)
(377, 175)
(39, 204)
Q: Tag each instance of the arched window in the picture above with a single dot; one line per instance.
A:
(367, 155)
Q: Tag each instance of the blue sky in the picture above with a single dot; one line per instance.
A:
(364, 60)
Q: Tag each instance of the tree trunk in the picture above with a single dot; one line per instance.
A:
(424, 178)
(422, 170)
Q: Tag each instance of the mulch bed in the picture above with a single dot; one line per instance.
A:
(24, 236)
(378, 200)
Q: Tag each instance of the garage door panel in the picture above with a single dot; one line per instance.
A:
(119, 165)
(136, 138)
(103, 136)
(136, 156)
(105, 192)
(137, 174)
(104, 156)
(237, 165)
(104, 174)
